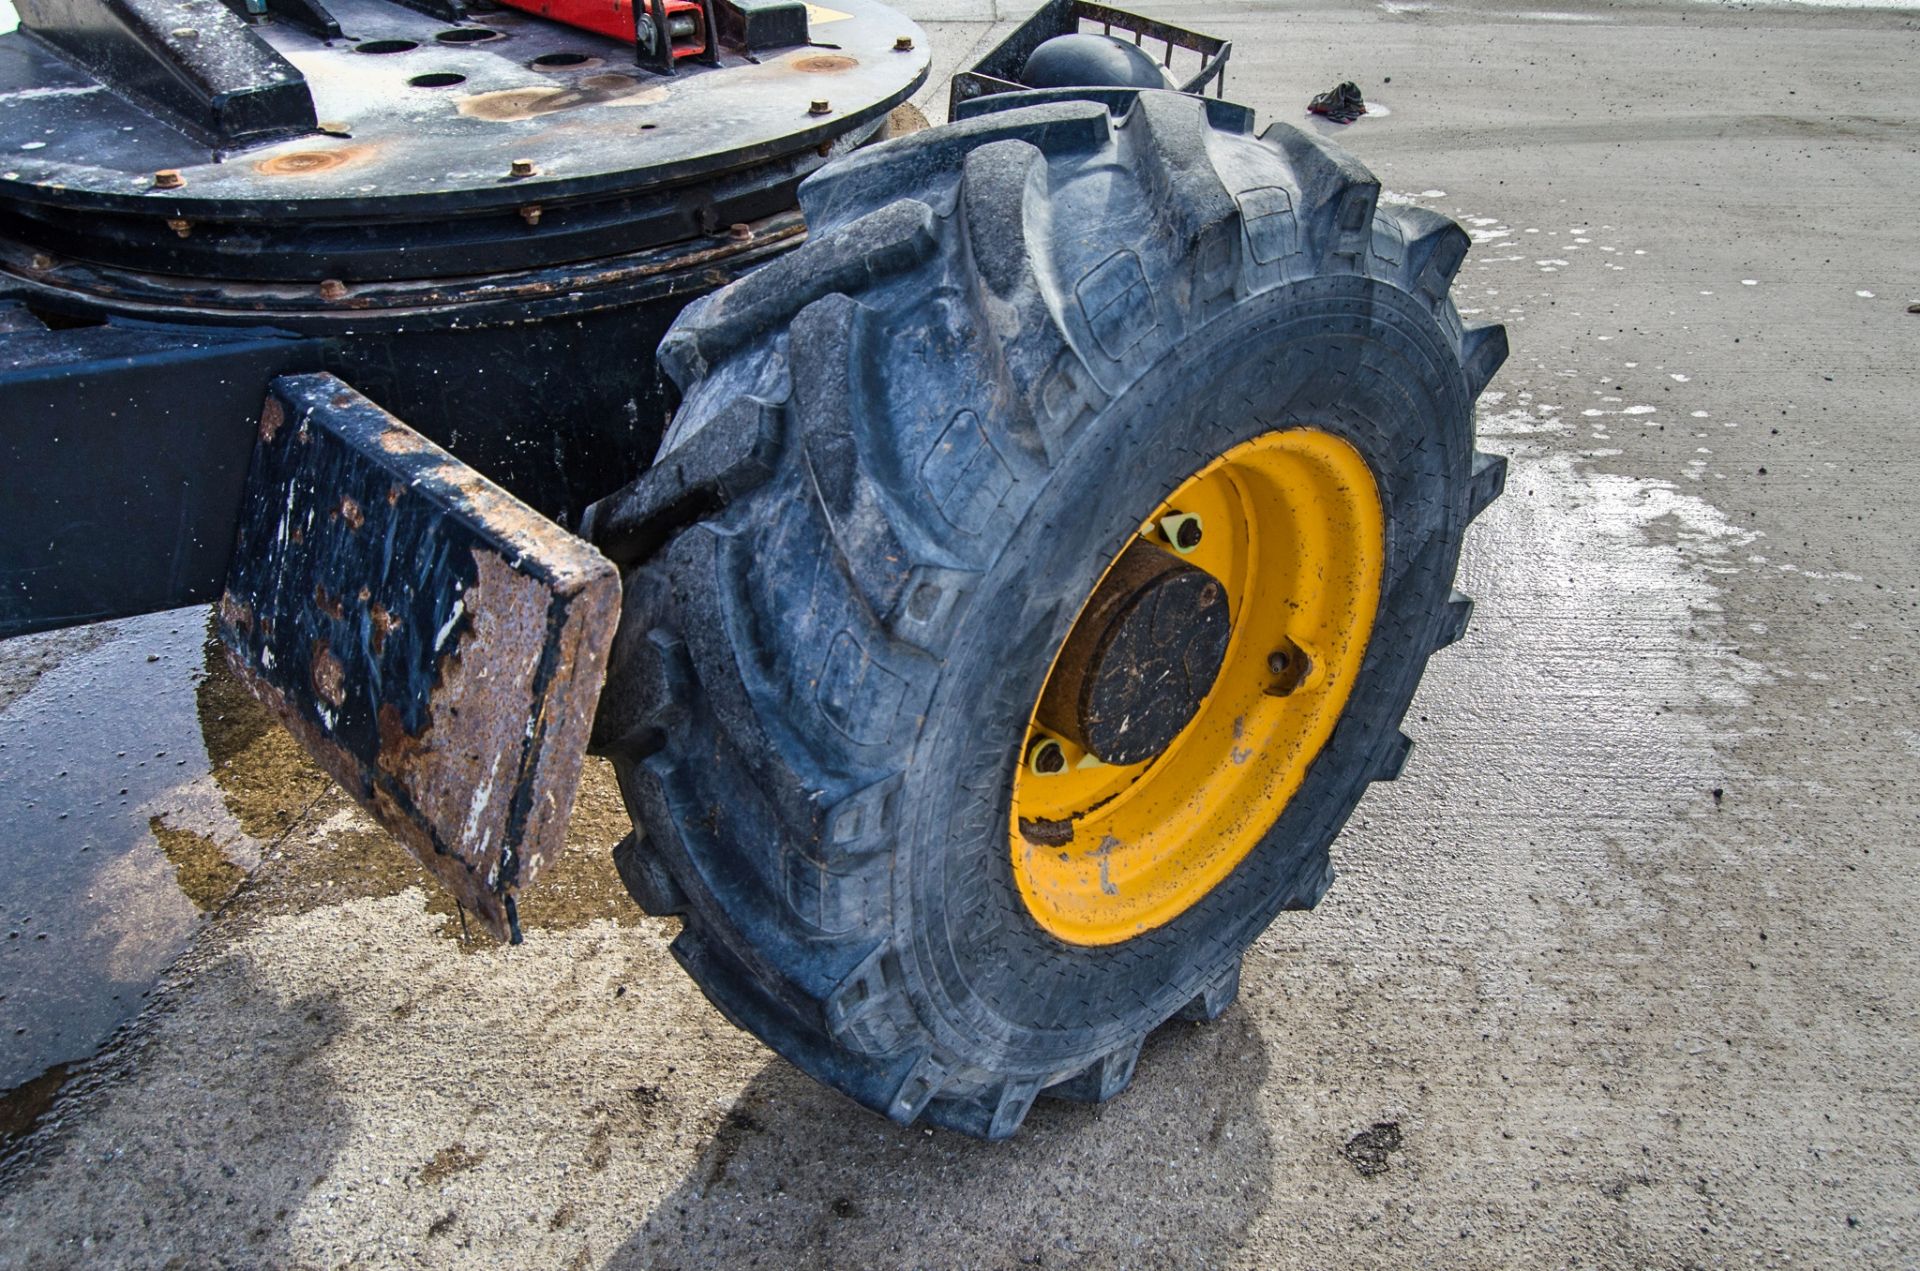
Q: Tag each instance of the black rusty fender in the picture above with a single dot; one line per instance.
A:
(436, 645)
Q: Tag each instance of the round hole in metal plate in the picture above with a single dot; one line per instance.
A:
(385, 46)
(555, 61)
(437, 79)
(469, 35)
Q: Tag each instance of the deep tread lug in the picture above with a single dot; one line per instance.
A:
(1454, 619)
(17, 319)
(993, 1114)
(916, 1090)
(858, 255)
(1010, 1105)
(1391, 759)
(646, 879)
(730, 455)
(1213, 1000)
(1338, 195)
(1319, 878)
(1436, 248)
(996, 182)
(1101, 1080)
(1482, 351)
(867, 1012)
(825, 344)
(648, 689)
(1488, 480)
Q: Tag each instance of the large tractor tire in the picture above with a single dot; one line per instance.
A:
(1033, 579)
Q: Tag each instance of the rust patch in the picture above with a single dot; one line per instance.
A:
(401, 440)
(380, 623)
(236, 614)
(351, 513)
(1046, 833)
(328, 603)
(610, 82)
(461, 771)
(272, 415)
(511, 105)
(824, 63)
(307, 162)
(329, 677)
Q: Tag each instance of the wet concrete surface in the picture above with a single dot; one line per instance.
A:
(1620, 973)
(113, 843)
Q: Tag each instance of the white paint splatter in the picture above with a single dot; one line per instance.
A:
(446, 628)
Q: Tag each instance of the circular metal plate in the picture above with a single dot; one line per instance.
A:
(435, 127)
(1141, 659)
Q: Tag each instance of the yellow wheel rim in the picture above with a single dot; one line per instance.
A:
(1290, 525)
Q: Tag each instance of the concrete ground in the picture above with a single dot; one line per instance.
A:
(1622, 972)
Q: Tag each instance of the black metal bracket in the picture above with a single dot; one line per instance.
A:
(445, 10)
(310, 16)
(199, 64)
(752, 25)
(124, 447)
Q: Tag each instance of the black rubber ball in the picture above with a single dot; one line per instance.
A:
(1070, 61)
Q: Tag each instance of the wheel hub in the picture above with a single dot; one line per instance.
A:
(1142, 657)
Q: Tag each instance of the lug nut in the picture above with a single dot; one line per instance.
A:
(1045, 758)
(820, 108)
(168, 179)
(521, 168)
(1289, 665)
(530, 213)
(903, 44)
(333, 289)
(1183, 531)
(180, 227)
(740, 233)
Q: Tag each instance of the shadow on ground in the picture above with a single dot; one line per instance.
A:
(796, 1176)
(225, 1162)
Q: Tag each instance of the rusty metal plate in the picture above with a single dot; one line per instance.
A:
(436, 645)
